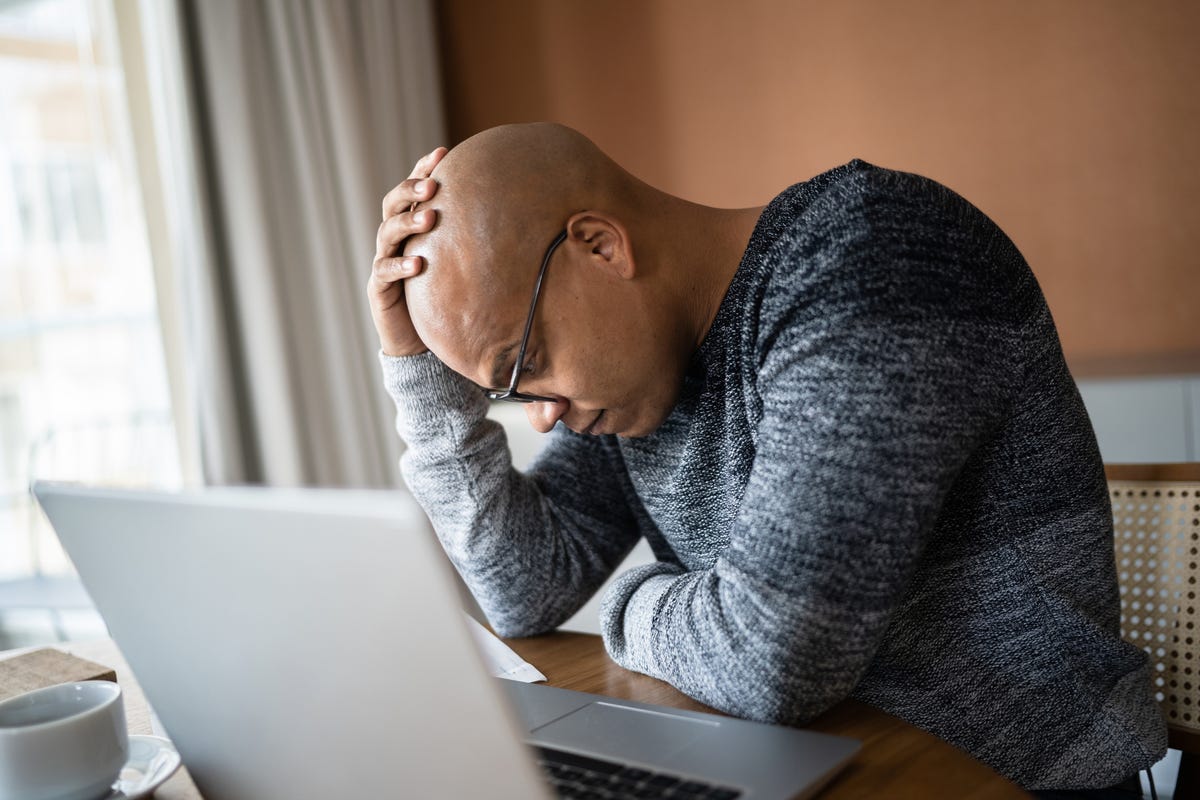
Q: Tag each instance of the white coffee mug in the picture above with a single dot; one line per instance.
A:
(65, 742)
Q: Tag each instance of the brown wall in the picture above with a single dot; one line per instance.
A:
(1075, 124)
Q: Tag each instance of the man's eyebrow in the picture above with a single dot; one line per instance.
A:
(502, 367)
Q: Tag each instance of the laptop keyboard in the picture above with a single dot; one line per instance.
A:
(588, 778)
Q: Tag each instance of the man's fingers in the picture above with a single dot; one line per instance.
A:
(416, 187)
(395, 229)
(427, 163)
(386, 271)
(406, 193)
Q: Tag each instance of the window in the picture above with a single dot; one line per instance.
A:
(83, 385)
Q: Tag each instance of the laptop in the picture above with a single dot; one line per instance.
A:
(310, 644)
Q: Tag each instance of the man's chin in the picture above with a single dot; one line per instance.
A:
(632, 423)
(641, 429)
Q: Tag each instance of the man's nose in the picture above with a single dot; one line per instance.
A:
(542, 416)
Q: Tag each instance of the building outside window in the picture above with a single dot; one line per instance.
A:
(83, 384)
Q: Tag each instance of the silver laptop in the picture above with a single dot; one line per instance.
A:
(310, 644)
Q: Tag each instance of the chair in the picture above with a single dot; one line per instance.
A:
(1156, 527)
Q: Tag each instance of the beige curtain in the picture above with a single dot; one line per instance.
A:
(299, 116)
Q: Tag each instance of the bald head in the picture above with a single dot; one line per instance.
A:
(502, 196)
(629, 292)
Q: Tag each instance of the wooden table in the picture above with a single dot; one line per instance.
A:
(897, 761)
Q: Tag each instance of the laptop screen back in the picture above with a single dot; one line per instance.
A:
(295, 643)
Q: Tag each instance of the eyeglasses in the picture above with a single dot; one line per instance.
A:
(511, 395)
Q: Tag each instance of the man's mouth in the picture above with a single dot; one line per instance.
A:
(591, 429)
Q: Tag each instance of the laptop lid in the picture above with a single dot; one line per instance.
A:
(295, 643)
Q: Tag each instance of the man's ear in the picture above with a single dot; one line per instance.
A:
(604, 240)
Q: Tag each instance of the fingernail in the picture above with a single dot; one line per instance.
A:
(424, 216)
(423, 187)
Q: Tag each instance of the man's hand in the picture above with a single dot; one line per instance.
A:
(385, 289)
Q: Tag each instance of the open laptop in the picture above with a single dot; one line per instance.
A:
(309, 644)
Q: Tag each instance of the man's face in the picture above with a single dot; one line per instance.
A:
(597, 345)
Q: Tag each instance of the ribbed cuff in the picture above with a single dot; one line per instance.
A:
(426, 393)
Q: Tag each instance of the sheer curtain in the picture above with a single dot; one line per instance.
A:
(279, 126)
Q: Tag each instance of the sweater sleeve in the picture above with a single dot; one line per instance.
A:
(532, 548)
(875, 391)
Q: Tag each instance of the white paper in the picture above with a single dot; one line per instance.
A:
(499, 658)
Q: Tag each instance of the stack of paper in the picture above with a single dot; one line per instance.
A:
(501, 661)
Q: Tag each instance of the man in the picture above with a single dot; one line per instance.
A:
(843, 422)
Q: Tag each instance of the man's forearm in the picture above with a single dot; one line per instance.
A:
(530, 560)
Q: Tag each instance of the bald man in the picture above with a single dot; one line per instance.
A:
(842, 421)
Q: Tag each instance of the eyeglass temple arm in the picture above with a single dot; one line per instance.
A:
(537, 290)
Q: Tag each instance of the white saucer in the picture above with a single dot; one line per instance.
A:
(152, 760)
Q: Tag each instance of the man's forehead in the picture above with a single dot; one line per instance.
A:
(472, 330)
(468, 304)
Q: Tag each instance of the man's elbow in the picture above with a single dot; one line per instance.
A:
(518, 629)
(786, 706)
(525, 621)
(786, 697)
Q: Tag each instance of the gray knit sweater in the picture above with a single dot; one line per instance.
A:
(879, 482)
